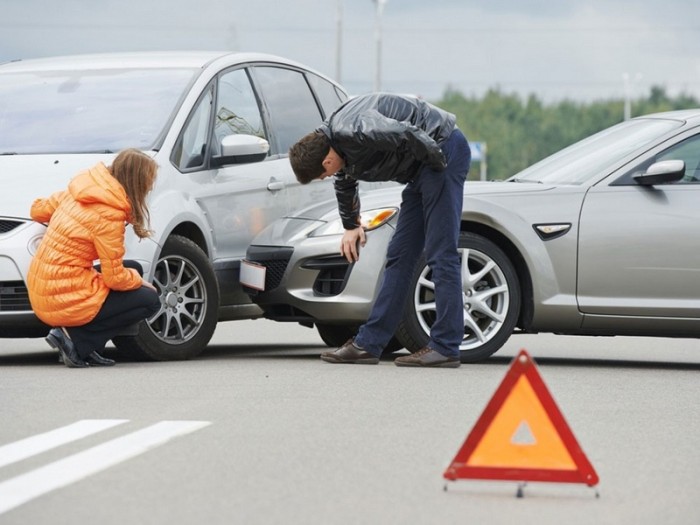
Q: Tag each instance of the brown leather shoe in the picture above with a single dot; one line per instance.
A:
(350, 354)
(429, 358)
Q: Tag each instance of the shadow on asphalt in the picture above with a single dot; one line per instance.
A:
(33, 358)
(306, 352)
(595, 363)
(287, 351)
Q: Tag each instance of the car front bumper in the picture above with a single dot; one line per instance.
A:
(18, 240)
(308, 280)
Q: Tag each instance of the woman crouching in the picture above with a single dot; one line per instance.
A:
(89, 305)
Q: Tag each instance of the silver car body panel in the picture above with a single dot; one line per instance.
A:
(552, 264)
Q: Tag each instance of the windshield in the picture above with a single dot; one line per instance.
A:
(589, 157)
(87, 111)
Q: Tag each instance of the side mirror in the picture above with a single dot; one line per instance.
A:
(663, 172)
(241, 149)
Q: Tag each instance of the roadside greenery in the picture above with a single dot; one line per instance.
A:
(519, 132)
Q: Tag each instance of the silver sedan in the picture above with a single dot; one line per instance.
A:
(600, 238)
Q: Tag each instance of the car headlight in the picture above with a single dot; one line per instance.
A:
(370, 220)
(33, 244)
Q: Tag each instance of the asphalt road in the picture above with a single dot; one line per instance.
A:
(259, 430)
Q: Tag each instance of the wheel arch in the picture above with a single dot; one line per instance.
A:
(194, 233)
(191, 231)
(521, 268)
(175, 213)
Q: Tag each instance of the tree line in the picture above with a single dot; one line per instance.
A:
(520, 131)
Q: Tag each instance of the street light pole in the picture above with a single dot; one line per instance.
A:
(628, 93)
(338, 40)
(378, 40)
(628, 103)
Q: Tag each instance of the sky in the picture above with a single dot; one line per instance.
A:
(553, 49)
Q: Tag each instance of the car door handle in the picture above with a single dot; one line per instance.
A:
(275, 185)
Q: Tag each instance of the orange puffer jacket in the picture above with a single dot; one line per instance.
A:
(87, 222)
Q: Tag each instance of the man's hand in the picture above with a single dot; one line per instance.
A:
(351, 242)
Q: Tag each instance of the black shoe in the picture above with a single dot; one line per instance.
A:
(95, 359)
(58, 334)
(66, 349)
(60, 358)
(350, 354)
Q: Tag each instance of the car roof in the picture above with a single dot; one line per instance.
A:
(690, 115)
(136, 60)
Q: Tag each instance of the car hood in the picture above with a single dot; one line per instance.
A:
(392, 197)
(24, 178)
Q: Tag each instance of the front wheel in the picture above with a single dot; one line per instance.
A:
(491, 300)
(189, 297)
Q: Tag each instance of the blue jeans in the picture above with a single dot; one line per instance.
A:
(431, 211)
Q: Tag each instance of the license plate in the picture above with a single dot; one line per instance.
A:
(253, 275)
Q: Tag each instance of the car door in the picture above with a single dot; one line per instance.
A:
(239, 200)
(639, 246)
(293, 111)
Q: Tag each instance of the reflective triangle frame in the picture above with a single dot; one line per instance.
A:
(522, 367)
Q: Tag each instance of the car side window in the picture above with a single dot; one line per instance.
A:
(327, 94)
(292, 108)
(237, 110)
(190, 151)
(689, 152)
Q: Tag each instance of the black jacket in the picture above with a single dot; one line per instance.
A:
(384, 137)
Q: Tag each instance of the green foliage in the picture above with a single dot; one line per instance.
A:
(518, 132)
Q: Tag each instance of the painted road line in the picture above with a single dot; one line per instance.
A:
(23, 488)
(19, 450)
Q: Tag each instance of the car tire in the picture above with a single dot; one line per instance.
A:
(189, 296)
(335, 336)
(491, 301)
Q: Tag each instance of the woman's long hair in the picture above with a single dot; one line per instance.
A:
(136, 172)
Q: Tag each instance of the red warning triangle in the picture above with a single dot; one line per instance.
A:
(522, 435)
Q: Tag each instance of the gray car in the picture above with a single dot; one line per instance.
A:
(600, 238)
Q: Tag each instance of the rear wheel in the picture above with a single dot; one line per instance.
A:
(491, 300)
(189, 296)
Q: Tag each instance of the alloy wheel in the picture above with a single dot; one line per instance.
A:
(485, 295)
(183, 299)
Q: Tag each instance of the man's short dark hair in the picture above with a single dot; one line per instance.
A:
(306, 156)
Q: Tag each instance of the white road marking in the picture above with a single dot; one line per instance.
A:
(19, 450)
(23, 488)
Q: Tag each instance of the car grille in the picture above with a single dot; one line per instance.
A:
(14, 297)
(333, 273)
(7, 225)
(275, 259)
(275, 271)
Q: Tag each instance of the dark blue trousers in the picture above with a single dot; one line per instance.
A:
(431, 211)
(119, 310)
